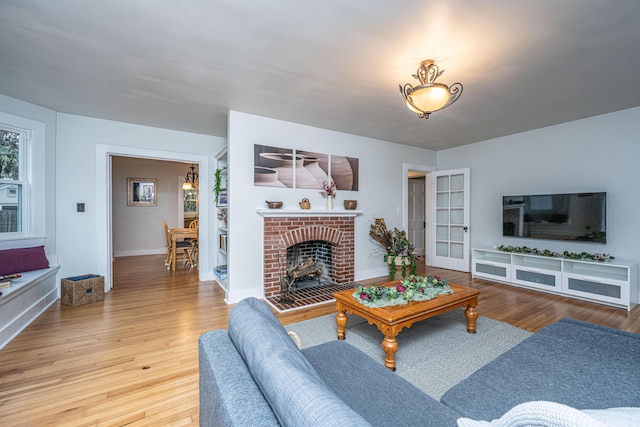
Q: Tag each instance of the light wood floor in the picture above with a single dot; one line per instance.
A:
(133, 359)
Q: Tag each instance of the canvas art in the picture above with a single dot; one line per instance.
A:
(287, 168)
(273, 167)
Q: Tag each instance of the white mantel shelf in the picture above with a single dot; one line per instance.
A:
(290, 213)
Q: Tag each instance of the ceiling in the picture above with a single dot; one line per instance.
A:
(334, 64)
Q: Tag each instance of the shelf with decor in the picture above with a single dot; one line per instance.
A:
(613, 282)
(221, 195)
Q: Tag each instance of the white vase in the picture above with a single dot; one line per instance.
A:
(329, 203)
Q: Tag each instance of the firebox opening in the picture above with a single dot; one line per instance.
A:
(309, 264)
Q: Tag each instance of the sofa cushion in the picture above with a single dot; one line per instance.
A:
(228, 394)
(575, 363)
(296, 393)
(381, 396)
(19, 260)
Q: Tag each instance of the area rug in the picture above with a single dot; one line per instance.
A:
(434, 355)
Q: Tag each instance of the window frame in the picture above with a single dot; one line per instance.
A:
(32, 179)
(21, 182)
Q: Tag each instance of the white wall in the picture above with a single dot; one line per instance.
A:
(48, 117)
(138, 230)
(79, 141)
(596, 154)
(380, 191)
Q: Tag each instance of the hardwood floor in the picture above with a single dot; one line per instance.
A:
(133, 359)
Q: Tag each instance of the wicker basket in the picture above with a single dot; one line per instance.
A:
(82, 290)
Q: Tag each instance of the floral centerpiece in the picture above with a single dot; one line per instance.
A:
(398, 249)
(413, 288)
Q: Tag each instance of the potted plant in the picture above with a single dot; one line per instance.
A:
(217, 186)
(398, 249)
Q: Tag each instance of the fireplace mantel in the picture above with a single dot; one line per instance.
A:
(292, 213)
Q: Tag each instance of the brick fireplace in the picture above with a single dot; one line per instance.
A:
(283, 230)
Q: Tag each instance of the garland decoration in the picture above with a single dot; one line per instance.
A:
(414, 288)
(584, 256)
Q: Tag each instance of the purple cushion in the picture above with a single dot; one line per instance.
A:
(19, 260)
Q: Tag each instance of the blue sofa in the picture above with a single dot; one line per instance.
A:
(254, 375)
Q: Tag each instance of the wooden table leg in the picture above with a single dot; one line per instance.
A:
(471, 315)
(341, 321)
(390, 346)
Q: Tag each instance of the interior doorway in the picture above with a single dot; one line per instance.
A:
(104, 234)
(416, 196)
(416, 211)
(138, 230)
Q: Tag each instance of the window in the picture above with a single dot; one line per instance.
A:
(22, 183)
(12, 185)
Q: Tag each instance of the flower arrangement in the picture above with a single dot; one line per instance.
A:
(413, 288)
(329, 189)
(396, 244)
(222, 216)
(566, 254)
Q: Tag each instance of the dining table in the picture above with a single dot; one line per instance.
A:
(178, 233)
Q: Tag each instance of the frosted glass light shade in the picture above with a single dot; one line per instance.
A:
(428, 97)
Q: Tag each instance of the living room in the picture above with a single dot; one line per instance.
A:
(591, 153)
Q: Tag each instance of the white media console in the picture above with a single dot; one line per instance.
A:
(613, 283)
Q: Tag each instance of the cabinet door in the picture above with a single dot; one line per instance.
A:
(547, 280)
(604, 290)
(492, 270)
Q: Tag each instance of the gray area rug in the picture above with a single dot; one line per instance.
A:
(434, 355)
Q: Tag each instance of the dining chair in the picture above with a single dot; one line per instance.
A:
(194, 243)
(183, 249)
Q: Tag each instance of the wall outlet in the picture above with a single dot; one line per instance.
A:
(80, 207)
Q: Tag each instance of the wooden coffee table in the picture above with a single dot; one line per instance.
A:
(391, 320)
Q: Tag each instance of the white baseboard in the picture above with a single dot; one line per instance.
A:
(162, 251)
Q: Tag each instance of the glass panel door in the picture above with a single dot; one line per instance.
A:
(450, 193)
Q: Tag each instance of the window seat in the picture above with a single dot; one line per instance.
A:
(27, 298)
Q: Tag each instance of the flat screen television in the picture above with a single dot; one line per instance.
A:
(577, 216)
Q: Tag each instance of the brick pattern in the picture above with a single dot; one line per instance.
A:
(310, 296)
(283, 232)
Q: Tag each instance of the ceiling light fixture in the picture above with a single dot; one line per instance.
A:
(191, 180)
(429, 96)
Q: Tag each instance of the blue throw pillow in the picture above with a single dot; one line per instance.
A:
(293, 388)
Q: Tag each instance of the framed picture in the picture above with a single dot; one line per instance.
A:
(142, 192)
(222, 198)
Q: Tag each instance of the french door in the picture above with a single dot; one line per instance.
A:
(449, 228)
